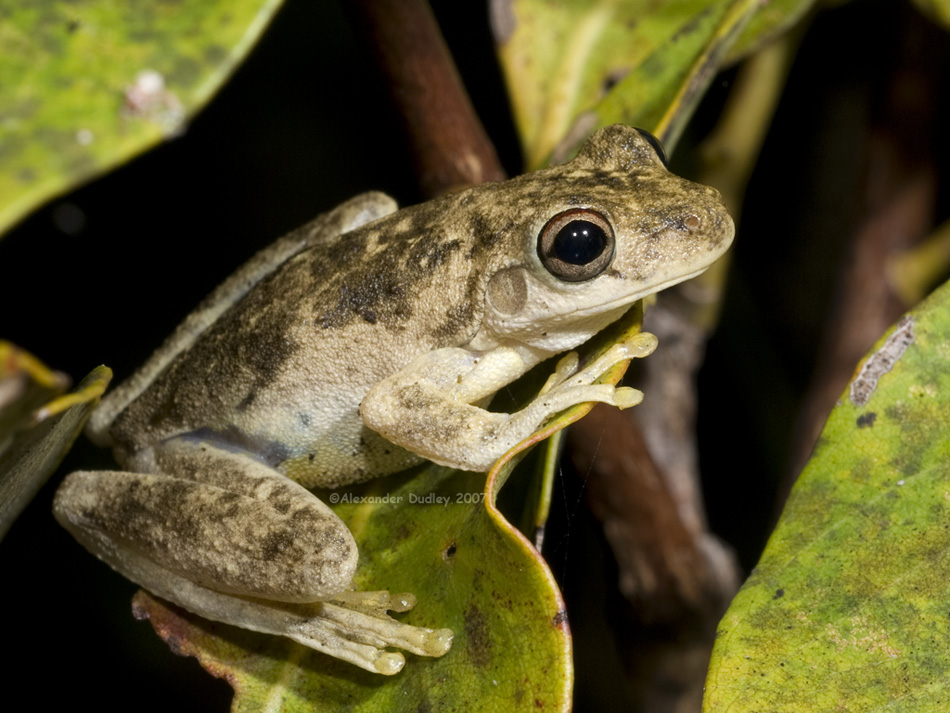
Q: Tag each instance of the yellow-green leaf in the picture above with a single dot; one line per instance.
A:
(848, 608)
(37, 425)
(86, 85)
(25, 385)
(773, 19)
(571, 67)
(661, 93)
(939, 10)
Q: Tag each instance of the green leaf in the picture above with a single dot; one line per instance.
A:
(572, 67)
(89, 84)
(848, 608)
(36, 429)
(662, 93)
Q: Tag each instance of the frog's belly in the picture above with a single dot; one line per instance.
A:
(299, 414)
(315, 436)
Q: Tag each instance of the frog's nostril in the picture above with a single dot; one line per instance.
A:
(692, 222)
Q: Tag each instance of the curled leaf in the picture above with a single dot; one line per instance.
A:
(37, 425)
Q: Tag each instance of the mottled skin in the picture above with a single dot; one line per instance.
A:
(367, 322)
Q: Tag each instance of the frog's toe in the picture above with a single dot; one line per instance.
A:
(388, 663)
(566, 366)
(627, 397)
(351, 633)
(638, 346)
(376, 603)
(641, 345)
(377, 628)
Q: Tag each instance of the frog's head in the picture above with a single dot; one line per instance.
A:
(590, 237)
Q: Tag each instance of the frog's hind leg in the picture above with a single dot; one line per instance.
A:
(334, 628)
(218, 517)
(230, 539)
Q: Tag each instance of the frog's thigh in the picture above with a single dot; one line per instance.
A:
(223, 521)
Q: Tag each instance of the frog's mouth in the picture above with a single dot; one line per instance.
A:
(602, 307)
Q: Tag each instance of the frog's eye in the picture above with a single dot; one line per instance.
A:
(576, 245)
(655, 143)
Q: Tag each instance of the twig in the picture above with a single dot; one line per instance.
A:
(448, 143)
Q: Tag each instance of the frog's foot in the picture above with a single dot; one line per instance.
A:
(356, 628)
(431, 406)
(569, 386)
(236, 542)
(566, 372)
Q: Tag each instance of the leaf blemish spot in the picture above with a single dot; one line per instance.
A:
(866, 420)
(882, 361)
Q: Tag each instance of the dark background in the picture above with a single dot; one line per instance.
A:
(304, 125)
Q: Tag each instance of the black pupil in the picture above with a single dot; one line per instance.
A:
(579, 242)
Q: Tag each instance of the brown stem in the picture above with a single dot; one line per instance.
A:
(448, 143)
(676, 578)
(644, 483)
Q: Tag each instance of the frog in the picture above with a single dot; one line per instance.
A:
(360, 345)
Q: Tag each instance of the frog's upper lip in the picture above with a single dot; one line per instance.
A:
(627, 300)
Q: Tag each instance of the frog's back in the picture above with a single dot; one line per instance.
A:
(281, 373)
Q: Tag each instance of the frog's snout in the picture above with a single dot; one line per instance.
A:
(710, 218)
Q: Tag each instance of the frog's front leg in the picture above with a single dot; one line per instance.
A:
(230, 539)
(433, 406)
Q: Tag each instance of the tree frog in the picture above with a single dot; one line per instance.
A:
(356, 346)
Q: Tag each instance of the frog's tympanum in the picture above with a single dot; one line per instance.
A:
(361, 344)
